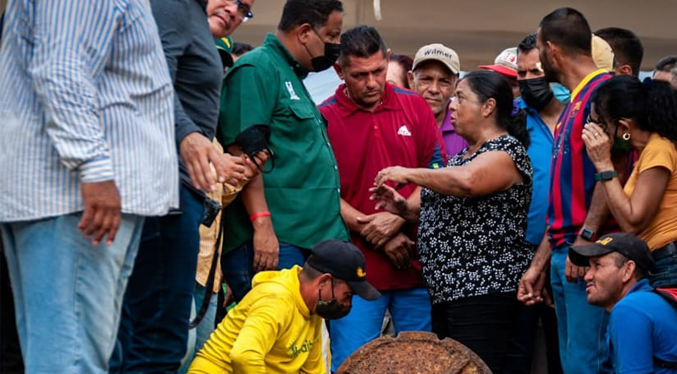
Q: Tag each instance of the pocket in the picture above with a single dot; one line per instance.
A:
(302, 111)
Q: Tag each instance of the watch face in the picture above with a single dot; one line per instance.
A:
(587, 234)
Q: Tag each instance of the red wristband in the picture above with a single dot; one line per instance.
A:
(259, 215)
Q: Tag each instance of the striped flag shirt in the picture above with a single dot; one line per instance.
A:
(85, 96)
(572, 173)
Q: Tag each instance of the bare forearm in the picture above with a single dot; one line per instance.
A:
(254, 200)
(413, 211)
(598, 213)
(446, 181)
(542, 255)
(350, 215)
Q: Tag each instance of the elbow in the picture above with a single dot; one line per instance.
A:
(243, 358)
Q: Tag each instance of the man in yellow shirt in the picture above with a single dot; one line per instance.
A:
(276, 328)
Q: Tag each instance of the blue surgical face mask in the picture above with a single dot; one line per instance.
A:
(562, 94)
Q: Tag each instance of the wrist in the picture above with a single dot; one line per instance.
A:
(606, 175)
(587, 234)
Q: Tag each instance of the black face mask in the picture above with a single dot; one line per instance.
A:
(331, 309)
(536, 92)
(324, 62)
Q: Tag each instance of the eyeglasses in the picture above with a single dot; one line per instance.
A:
(243, 10)
(597, 121)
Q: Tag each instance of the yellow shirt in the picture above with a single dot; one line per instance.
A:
(270, 331)
(659, 152)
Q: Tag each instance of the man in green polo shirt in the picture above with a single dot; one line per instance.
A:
(280, 215)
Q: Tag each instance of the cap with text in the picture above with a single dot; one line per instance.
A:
(438, 52)
(344, 261)
(626, 244)
(505, 63)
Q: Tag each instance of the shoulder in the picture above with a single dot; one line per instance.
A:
(408, 97)
(641, 303)
(510, 145)
(328, 104)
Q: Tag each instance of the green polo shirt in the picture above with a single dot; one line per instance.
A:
(303, 191)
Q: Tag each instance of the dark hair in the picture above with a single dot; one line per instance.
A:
(626, 46)
(652, 104)
(406, 63)
(569, 29)
(621, 259)
(527, 44)
(314, 12)
(361, 41)
(487, 84)
(241, 48)
(666, 63)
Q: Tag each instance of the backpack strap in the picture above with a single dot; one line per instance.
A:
(669, 295)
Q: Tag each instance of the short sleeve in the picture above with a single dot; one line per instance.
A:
(659, 152)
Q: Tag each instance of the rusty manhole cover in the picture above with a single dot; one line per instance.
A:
(413, 353)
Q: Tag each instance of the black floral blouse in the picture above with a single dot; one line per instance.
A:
(472, 246)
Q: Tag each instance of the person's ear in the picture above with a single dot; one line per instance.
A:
(624, 70)
(410, 79)
(304, 32)
(339, 70)
(488, 107)
(624, 125)
(629, 272)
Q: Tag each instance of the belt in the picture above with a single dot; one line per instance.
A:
(663, 252)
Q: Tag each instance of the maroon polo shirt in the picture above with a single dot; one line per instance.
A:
(400, 132)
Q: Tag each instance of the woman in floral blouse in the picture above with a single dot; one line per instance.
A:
(472, 217)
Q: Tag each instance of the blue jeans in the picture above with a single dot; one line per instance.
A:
(664, 272)
(156, 309)
(237, 270)
(581, 326)
(410, 311)
(67, 292)
(202, 332)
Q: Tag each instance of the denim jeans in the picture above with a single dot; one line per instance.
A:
(68, 292)
(482, 323)
(410, 311)
(581, 326)
(664, 272)
(156, 309)
(199, 335)
(237, 264)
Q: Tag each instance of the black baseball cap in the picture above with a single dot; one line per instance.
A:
(344, 261)
(626, 244)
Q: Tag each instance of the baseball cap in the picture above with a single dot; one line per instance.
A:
(626, 244)
(225, 48)
(505, 63)
(344, 261)
(438, 52)
(602, 53)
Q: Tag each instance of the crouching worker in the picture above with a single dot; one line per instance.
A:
(642, 331)
(276, 328)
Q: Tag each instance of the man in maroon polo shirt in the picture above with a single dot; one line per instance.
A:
(373, 125)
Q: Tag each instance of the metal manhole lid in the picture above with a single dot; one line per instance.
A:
(413, 353)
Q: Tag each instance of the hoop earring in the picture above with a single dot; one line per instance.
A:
(626, 136)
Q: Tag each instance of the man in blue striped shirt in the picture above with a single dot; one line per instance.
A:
(156, 307)
(88, 150)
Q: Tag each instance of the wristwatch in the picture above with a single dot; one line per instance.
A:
(588, 234)
(605, 175)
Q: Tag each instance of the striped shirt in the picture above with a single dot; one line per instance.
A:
(571, 172)
(85, 96)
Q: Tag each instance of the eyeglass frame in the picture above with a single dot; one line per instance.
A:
(243, 10)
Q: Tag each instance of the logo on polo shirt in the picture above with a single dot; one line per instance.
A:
(290, 88)
(404, 131)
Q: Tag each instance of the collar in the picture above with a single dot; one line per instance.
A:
(347, 106)
(585, 81)
(274, 43)
(641, 285)
(447, 126)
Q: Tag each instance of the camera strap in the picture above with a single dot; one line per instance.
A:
(209, 286)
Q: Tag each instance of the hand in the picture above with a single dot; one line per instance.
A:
(389, 200)
(380, 227)
(398, 250)
(266, 248)
(197, 152)
(598, 146)
(530, 289)
(547, 299)
(573, 273)
(250, 168)
(102, 211)
(394, 173)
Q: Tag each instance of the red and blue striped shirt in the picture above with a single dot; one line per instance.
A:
(572, 173)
